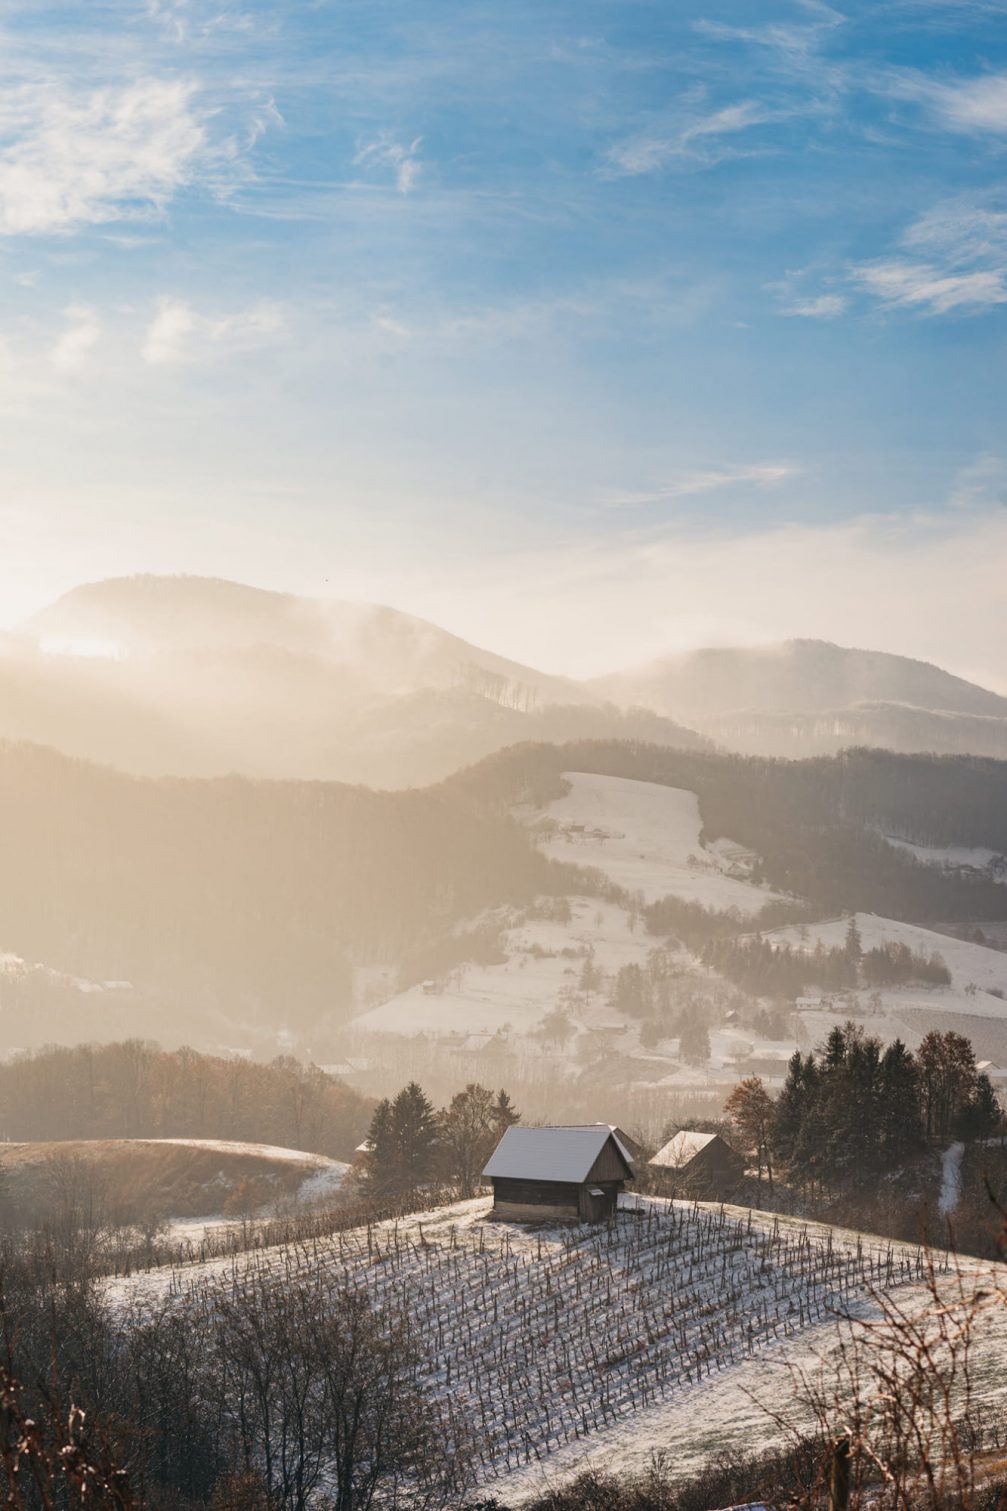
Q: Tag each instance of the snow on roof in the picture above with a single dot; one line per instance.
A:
(563, 1154)
(623, 1140)
(681, 1148)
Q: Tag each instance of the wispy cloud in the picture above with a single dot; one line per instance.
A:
(922, 286)
(401, 158)
(957, 262)
(83, 330)
(952, 260)
(974, 105)
(821, 307)
(179, 333)
(71, 159)
(699, 138)
(709, 480)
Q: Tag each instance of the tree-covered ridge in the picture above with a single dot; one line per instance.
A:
(136, 1090)
(249, 895)
(818, 825)
(409, 1145)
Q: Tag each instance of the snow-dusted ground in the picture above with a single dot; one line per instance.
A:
(322, 1178)
(974, 968)
(260, 1151)
(951, 1179)
(527, 985)
(647, 838)
(566, 1345)
(975, 859)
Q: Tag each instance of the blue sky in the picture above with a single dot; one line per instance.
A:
(588, 329)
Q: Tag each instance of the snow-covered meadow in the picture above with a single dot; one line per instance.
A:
(647, 839)
(976, 971)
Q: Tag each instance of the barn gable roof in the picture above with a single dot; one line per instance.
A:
(682, 1148)
(559, 1154)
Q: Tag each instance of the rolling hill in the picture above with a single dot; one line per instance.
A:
(198, 677)
(807, 697)
(193, 676)
(578, 1346)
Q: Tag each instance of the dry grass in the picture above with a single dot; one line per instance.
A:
(137, 1181)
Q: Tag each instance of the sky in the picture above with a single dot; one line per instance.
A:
(589, 329)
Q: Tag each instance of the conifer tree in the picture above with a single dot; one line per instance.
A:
(900, 1123)
(414, 1137)
(505, 1114)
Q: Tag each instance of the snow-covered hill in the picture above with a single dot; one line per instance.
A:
(986, 862)
(559, 1341)
(976, 971)
(187, 1185)
(647, 839)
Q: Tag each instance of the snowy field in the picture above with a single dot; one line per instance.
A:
(543, 958)
(322, 1178)
(561, 1343)
(975, 969)
(993, 862)
(647, 839)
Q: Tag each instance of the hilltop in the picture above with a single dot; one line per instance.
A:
(580, 1345)
(192, 676)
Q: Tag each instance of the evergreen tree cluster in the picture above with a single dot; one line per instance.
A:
(856, 1110)
(410, 1145)
(727, 943)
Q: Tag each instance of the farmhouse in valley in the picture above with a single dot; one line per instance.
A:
(573, 1174)
(703, 1164)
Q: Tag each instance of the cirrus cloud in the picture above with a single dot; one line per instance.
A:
(71, 159)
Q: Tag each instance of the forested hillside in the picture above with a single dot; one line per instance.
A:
(234, 902)
(248, 896)
(133, 1090)
(818, 825)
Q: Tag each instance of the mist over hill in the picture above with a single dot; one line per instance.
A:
(807, 697)
(230, 911)
(198, 677)
(201, 677)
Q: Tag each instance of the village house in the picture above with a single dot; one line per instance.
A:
(697, 1164)
(569, 1174)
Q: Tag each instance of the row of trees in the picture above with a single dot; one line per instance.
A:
(267, 1393)
(857, 1110)
(410, 1145)
(135, 1089)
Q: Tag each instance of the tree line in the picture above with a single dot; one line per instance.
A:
(410, 1145)
(858, 1110)
(817, 825)
(264, 1393)
(135, 1089)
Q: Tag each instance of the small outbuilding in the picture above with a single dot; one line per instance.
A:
(568, 1174)
(703, 1164)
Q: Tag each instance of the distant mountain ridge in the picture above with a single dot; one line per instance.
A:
(801, 676)
(203, 677)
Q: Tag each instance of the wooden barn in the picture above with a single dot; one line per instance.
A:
(570, 1174)
(700, 1164)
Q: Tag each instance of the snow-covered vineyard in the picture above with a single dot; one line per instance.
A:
(542, 1338)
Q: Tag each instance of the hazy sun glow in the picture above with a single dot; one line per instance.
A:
(89, 646)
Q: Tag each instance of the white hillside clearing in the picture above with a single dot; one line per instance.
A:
(543, 958)
(648, 838)
(956, 857)
(975, 969)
